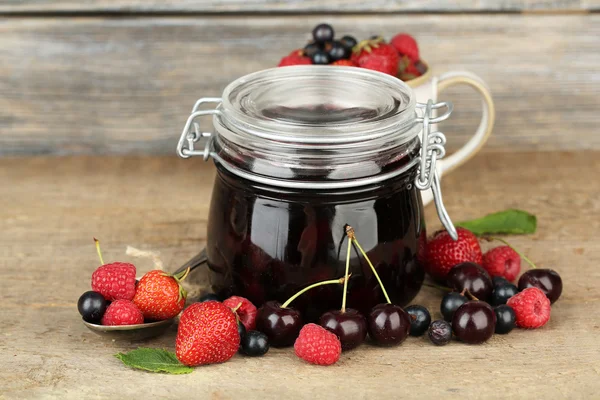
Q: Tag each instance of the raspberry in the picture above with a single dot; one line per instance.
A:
(122, 312)
(244, 309)
(442, 253)
(502, 261)
(317, 345)
(115, 281)
(532, 308)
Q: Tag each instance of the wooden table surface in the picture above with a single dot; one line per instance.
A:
(50, 208)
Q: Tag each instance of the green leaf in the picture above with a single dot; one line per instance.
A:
(503, 222)
(154, 360)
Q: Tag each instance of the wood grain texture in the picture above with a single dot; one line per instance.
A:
(308, 6)
(123, 85)
(51, 207)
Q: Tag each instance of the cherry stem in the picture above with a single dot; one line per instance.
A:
(343, 310)
(523, 256)
(352, 237)
(97, 242)
(182, 275)
(471, 295)
(314, 285)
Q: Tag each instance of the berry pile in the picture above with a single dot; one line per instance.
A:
(117, 299)
(399, 57)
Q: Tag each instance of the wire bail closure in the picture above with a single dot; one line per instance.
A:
(432, 149)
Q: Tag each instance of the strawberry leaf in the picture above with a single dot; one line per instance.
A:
(504, 222)
(154, 360)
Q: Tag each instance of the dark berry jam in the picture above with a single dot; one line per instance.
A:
(266, 243)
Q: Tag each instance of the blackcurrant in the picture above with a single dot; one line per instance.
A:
(440, 332)
(420, 319)
(499, 280)
(338, 51)
(348, 42)
(450, 303)
(254, 344)
(505, 319)
(91, 306)
(320, 58)
(323, 33)
(241, 329)
(502, 293)
(311, 48)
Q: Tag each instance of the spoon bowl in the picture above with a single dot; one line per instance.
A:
(131, 332)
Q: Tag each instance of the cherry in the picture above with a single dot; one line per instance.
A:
(349, 326)
(547, 280)
(420, 319)
(440, 332)
(502, 293)
(505, 319)
(388, 324)
(472, 277)
(450, 303)
(281, 325)
(474, 322)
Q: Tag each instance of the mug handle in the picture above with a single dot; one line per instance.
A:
(488, 116)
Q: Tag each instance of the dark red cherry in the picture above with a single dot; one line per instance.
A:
(472, 277)
(349, 326)
(281, 325)
(388, 324)
(474, 322)
(547, 280)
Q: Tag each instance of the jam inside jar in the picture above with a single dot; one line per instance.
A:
(302, 152)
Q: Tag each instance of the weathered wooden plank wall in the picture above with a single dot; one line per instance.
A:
(124, 82)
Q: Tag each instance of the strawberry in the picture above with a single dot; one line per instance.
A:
(376, 55)
(442, 253)
(406, 45)
(344, 63)
(207, 334)
(296, 57)
(159, 295)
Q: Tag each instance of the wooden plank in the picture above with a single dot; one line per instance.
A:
(122, 85)
(293, 6)
(51, 207)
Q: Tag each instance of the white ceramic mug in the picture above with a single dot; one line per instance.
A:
(428, 87)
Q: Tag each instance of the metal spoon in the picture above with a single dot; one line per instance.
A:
(146, 330)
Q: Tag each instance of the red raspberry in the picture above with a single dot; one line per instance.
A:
(344, 63)
(115, 281)
(502, 261)
(317, 345)
(406, 45)
(122, 312)
(296, 57)
(244, 309)
(442, 253)
(532, 308)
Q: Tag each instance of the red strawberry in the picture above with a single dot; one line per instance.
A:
(317, 345)
(502, 261)
(532, 308)
(344, 63)
(207, 334)
(159, 295)
(442, 253)
(296, 57)
(122, 312)
(377, 55)
(406, 45)
(115, 281)
(244, 309)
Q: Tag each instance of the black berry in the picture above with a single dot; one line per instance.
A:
(420, 319)
(499, 280)
(91, 306)
(208, 297)
(474, 322)
(440, 332)
(348, 42)
(450, 303)
(320, 58)
(311, 48)
(505, 319)
(254, 344)
(337, 51)
(502, 293)
(241, 329)
(323, 33)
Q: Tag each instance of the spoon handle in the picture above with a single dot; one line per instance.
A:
(196, 261)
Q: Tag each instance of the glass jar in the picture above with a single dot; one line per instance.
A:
(301, 152)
